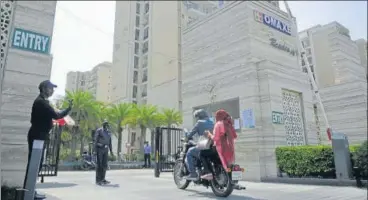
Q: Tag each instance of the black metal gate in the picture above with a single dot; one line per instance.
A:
(51, 154)
(167, 142)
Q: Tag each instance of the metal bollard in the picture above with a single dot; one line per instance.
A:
(358, 177)
(19, 193)
(157, 152)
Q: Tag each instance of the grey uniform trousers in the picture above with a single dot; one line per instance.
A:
(101, 164)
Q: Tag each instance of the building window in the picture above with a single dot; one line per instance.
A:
(138, 8)
(136, 34)
(309, 51)
(306, 43)
(145, 33)
(144, 90)
(135, 77)
(137, 21)
(136, 48)
(145, 61)
(145, 47)
(146, 8)
(145, 20)
(135, 90)
(144, 76)
(136, 60)
(310, 60)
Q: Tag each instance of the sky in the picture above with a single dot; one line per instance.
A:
(83, 30)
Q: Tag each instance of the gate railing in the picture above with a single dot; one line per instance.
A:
(167, 142)
(51, 154)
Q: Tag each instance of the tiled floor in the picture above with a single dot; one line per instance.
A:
(141, 185)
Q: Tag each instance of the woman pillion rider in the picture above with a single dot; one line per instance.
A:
(223, 137)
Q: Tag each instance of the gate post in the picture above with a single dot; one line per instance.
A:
(157, 152)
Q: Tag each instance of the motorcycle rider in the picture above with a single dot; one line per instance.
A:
(203, 124)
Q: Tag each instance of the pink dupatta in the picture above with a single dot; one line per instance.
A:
(224, 140)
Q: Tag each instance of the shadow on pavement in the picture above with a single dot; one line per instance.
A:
(54, 185)
(111, 185)
(212, 196)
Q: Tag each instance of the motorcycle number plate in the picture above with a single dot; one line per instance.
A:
(237, 175)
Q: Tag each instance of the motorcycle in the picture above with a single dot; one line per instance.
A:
(224, 180)
(87, 162)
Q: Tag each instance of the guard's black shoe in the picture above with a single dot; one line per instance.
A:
(99, 183)
(105, 182)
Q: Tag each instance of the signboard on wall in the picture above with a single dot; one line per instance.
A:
(272, 22)
(30, 41)
(277, 117)
(283, 46)
(248, 118)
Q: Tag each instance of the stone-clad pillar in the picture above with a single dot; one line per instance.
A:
(28, 62)
(7, 15)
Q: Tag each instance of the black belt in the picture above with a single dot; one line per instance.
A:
(102, 145)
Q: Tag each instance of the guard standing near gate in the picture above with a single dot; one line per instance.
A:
(102, 144)
(41, 119)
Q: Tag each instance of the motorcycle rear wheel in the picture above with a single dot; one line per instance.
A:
(217, 188)
(178, 173)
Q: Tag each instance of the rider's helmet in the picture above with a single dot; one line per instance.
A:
(200, 114)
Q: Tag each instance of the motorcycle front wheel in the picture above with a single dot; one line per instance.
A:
(179, 179)
(221, 184)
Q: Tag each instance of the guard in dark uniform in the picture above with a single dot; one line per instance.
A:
(41, 119)
(102, 144)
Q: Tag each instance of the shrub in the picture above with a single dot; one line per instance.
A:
(112, 157)
(317, 161)
(7, 193)
(360, 157)
(305, 161)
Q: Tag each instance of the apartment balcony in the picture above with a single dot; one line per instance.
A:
(194, 9)
(145, 20)
(144, 63)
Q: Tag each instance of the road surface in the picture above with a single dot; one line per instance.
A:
(141, 185)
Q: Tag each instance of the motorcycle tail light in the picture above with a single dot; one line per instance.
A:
(238, 168)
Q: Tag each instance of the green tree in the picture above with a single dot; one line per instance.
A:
(146, 117)
(169, 118)
(119, 114)
(84, 108)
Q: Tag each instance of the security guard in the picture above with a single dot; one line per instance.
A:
(102, 144)
(41, 120)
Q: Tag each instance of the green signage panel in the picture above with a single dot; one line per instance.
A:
(30, 41)
(277, 117)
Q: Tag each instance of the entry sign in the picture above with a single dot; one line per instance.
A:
(31, 41)
(277, 117)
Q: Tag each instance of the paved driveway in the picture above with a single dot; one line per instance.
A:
(141, 185)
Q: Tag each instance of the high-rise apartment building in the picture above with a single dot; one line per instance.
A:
(97, 81)
(333, 56)
(337, 65)
(146, 53)
(146, 48)
(362, 48)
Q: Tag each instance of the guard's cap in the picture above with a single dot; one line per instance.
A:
(46, 83)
